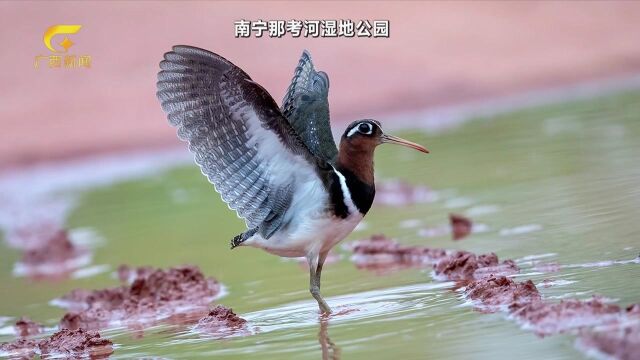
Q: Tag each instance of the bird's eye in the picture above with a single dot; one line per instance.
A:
(365, 128)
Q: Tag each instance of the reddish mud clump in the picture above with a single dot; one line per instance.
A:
(552, 318)
(460, 226)
(221, 322)
(463, 265)
(618, 342)
(54, 258)
(20, 349)
(382, 253)
(76, 342)
(25, 327)
(501, 291)
(68, 343)
(152, 295)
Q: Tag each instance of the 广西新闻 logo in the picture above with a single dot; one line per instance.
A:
(54, 30)
(57, 39)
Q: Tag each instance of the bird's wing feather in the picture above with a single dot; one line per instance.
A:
(238, 136)
(306, 106)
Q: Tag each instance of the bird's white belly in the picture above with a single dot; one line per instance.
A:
(315, 236)
(312, 229)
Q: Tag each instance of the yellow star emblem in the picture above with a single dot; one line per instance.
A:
(66, 43)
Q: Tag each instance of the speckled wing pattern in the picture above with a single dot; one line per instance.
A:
(239, 138)
(306, 106)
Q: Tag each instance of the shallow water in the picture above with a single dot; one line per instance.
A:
(558, 184)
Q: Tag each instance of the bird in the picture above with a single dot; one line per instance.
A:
(278, 167)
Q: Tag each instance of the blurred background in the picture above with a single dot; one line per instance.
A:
(531, 111)
(438, 53)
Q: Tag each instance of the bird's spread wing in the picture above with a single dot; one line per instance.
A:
(239, 137)
(306, 106)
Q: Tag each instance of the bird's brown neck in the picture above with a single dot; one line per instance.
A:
(354, 169)
(358, 160)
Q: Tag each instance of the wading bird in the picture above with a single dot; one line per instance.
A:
(278, 168)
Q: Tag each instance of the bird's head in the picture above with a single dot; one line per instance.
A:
(358, 144)
(365, 135)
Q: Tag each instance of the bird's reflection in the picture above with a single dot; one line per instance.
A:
(329, 349)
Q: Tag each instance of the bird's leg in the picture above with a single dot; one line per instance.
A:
(315, 271)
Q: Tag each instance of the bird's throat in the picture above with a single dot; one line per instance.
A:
(357, 161)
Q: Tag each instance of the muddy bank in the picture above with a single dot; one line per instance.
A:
(150, 295)
(179, 295)
(380, 253)
(602, 327)
(547, 318)
(487, 282)
(64, 343)
(523, 303)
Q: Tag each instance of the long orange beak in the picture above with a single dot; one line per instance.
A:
(400, 141)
